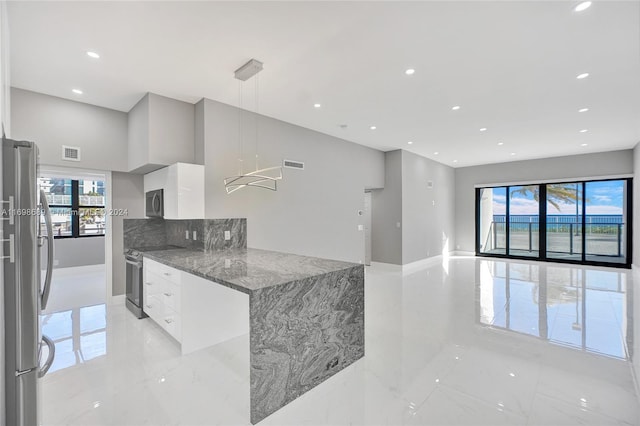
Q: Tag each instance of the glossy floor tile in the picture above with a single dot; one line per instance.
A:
(467, 342)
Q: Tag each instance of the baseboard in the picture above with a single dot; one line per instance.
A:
(386, 267)
(462, 253)
(410, 268)
(118, 300)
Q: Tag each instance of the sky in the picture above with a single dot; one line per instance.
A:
(603, 197)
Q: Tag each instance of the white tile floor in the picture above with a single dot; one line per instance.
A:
(488, 342)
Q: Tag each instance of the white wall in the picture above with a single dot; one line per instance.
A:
(315, 211)
(427, 214)
(51, 122)
(614, 163)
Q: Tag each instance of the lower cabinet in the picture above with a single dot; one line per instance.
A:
(194, 311)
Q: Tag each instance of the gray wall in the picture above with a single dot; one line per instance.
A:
(636, 207)
(127, 193)
(427, 214)
(161, 132)
(171, 130)
(52, 122)
(569, 167)
(138, 134)
(6, 122)
(70, 252)
(386, 213)
(315, 211)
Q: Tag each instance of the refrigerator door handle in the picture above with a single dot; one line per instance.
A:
(49, 236)
(52, 353)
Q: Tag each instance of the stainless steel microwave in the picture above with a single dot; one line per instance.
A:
(154, 203)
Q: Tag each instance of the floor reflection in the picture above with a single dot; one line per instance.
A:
(585, 309)
(79, 335)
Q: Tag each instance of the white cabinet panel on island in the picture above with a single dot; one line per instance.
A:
(196, 312)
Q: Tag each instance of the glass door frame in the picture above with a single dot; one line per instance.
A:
(542, 228)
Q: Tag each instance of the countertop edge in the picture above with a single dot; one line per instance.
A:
(236, 287)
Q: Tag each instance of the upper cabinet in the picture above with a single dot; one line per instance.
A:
(183, 186)
(161, 132)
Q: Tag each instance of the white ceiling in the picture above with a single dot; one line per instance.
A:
(511, 66)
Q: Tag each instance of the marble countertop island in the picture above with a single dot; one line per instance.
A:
(306, 316)
(247, 270)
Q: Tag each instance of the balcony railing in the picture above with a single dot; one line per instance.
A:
(602, 238)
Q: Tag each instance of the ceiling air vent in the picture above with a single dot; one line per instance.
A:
(290, 164)
(70, 153)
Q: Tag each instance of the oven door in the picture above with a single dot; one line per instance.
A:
(134, 286)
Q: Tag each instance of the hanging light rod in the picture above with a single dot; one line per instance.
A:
(248, 70)
(266, 178)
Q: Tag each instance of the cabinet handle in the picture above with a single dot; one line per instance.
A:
(149, 283)
(168, 294)
(168, 274)
(149, 306)
(168, 320)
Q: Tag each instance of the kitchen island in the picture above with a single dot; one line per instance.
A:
(306, 315)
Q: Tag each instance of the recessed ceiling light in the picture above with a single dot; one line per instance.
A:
(455, 161)
(373, 127)
(410, 142)
(582, 6)
(484, 129)
(317, 105)
(77, 91)
(455, 108)
(583, 75)
(513, 153)
(410, 71)
(92, 54)
(584, 130)
(583, 110)
(436, 153)
(500, 143)
(584, 144)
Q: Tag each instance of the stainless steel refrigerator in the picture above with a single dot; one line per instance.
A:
(25, 296)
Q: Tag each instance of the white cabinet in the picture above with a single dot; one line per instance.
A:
(183, 186)
(161, 297)
(196, 312)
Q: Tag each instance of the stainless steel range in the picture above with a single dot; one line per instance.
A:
(133, 259)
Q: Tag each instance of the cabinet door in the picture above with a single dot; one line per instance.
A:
(190, 188)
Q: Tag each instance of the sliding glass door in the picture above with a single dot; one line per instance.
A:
(577, 222)
(524, 220)
(605, 220)
(564, 221)
(492, 221)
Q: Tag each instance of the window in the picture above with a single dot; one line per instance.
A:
(577, 222)
(77, 206)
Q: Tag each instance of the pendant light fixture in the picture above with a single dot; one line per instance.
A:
(266, 178)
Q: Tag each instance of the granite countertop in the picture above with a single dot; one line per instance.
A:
(246, 270)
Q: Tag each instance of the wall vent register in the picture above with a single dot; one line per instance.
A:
(70, 153)
(291, 164)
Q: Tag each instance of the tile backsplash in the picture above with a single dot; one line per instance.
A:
(144, 233)
(210, 233)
